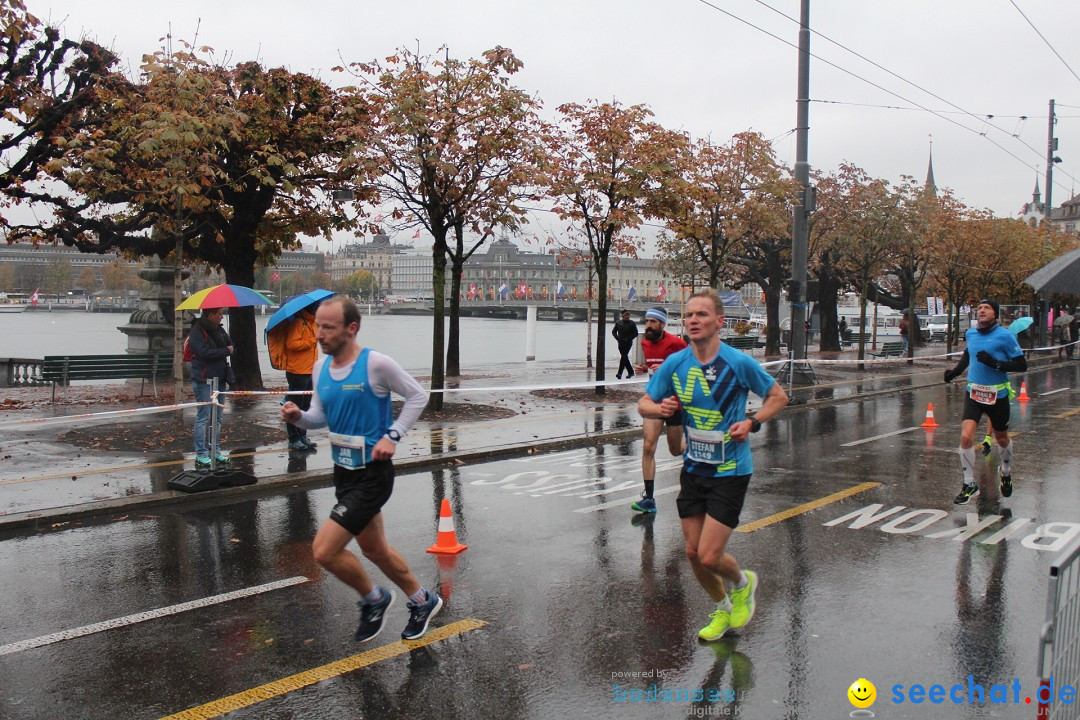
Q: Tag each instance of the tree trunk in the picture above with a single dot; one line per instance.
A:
(601, 323)
(438, 334)
(453, 345)
(775, 275)
(828, 290)
(241, 326)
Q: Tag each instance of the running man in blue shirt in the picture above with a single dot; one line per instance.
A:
(352, 396)
(709, 383)
(996, 352)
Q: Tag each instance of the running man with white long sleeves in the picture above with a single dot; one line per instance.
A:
(352, 396)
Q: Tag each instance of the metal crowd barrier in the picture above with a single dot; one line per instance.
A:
(1059, 640)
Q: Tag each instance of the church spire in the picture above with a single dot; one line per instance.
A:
(931, 186)
(1035, 196)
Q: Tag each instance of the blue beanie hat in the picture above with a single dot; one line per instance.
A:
(656, 314)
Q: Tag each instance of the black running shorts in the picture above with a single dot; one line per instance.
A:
(721, 498)
(675, 420)
(361, 494)
(998, 412)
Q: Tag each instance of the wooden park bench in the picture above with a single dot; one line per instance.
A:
(856, 337)
(742, 342)
(890, 349)
(62, 369)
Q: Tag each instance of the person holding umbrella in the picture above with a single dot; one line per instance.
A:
(211, 347)
(290, 337)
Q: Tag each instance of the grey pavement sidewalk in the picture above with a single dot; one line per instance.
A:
(46, 477)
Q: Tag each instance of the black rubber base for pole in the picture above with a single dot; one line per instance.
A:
(194, 481)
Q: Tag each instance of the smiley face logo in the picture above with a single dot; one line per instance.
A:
(862, 693)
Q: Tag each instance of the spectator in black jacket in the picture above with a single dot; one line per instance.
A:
(212, 347)
(625, 332)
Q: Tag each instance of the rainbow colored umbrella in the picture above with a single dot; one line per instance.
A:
(224, 296)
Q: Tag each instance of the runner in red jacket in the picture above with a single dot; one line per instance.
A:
(657, 344)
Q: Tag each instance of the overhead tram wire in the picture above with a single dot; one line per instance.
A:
(1037, 32)
(984, 118)
(874, 84)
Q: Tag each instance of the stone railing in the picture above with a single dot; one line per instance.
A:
(20, 372)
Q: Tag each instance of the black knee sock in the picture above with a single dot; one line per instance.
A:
(648, 488)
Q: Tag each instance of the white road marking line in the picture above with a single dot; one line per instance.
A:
(148, 615)
(879, 437)
(620, 503)
(1052, 392)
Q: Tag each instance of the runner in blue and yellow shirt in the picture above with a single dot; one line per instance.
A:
(709, 383)
(996, 353)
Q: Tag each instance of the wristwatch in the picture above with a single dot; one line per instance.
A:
(755, 425)
(394, 435)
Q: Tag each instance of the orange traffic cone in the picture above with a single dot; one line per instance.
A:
(1023, 396)
(446, 542)
(929, 423)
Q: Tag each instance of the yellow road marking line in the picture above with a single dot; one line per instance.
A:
(307, 678)
(805, 507)
(1070, 413)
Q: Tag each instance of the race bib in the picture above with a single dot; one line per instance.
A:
(347, 450)
(706, 446)
(984, 394)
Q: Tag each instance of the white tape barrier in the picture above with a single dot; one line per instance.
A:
(65, 419)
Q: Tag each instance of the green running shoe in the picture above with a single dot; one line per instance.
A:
(742, 601)
(644, 505)
(966, 493)
(720, 623)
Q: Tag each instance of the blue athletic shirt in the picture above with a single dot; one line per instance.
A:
(713, 397)
(352, 408)
(1000, 343)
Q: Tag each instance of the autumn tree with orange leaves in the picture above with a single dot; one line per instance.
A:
(235, 163)
(457, 151)
(610, 168)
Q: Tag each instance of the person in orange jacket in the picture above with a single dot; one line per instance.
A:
(301, 352)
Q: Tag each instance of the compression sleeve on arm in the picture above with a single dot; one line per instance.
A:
(315, 416)
(386, 377)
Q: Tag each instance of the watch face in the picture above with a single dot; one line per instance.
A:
(393, 435)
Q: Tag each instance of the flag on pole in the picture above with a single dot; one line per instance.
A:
(630, 295)
(275, 277)
(33, 298)
(416, 235)
(472, 290)
(560, 290)
(503, 291)
(522, 289)
(661, 293)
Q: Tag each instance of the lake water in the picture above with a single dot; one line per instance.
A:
(407, 339)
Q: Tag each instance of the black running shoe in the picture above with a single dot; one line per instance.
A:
(986, 448)
(966, 493)
(1006, 483)
(420, 615)
(373, 616)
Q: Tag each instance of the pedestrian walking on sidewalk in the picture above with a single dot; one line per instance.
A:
(996, 353)
(352, 395)
(625, 332)
(295, 339)
(709, 383)
(657, 345)
(211, 348)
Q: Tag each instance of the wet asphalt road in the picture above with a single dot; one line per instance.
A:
(578, 594)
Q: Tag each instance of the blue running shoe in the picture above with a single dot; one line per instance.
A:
(420, 615)
(644, 504)
(373, 616)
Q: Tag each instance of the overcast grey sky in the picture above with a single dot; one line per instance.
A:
(706, 72)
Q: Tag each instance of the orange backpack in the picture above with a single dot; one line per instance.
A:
(275, 344)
